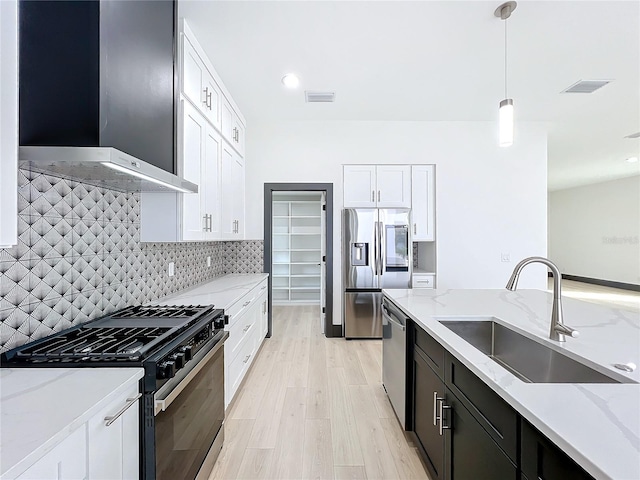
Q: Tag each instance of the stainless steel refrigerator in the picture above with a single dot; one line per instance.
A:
(377, 253)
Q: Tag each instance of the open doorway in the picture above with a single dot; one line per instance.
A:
(298, 248)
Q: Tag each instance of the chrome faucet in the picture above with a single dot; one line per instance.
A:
(558, 328)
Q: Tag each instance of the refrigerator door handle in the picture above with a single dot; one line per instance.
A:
(383, 249)
(376, 268)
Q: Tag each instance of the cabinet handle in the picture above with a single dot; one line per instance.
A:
(112, 418)
(246, 303)
(378, 195)
(264, 307)
(244, 330)
(211, 222)
(443, 407)
(436, 399)
(373, 195)
(207, 98)
(415, 229)
(263, 287)
(246, 359)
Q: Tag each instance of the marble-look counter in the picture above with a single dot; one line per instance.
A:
(40, 407)
(222, 291)
(598, 425)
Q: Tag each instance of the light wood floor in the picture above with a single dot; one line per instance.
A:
(314, 408)
(613, 297)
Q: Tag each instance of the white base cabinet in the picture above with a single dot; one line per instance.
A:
(114, 444)
(66, 461)
(247, 328)
(96, 450)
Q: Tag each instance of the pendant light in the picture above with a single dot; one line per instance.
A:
(505, 111)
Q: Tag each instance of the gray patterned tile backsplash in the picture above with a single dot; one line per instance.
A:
(79, 257)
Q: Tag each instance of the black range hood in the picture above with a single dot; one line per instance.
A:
(99, 77)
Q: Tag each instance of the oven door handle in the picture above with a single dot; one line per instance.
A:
(163, 401)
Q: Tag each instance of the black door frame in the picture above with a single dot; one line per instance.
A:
(330, 330)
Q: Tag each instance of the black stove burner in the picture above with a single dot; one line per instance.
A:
(159, 311)
(131, 334)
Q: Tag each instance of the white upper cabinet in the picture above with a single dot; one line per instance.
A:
(232, 128)
(9, 123)
(232, 179)
(201, 152)
(359, 186)
(423, 202)
(208, 118)
(198, 84)
(382, 186)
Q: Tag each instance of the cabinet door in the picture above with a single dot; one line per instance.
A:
(542, 459)
(426, 385)
(232, 194)
(423, 202)
(193, 72)
(212, 100)
(238, 188)
(472, 452)
(393, 186)
(194, 128)
(227, 120)
(66, 461)
(211, 184)
(359, 186)
(114, 449)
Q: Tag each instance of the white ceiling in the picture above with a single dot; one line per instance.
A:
(438, 61)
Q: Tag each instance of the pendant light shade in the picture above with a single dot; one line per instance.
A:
(506, 122)
(505, 112)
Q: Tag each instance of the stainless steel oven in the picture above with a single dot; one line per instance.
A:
(189, 415)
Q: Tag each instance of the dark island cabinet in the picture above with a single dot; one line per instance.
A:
(466, 431)
(541, 459)
(453, 442)
(428, 387)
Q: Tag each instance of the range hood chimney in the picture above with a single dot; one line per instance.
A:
(97, 92)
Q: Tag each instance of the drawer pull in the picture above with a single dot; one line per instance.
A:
(246, 359)
(112, 418)
(246, 303)
(246, 328)
(263, 287)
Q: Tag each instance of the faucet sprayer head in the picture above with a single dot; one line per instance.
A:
(513, 281)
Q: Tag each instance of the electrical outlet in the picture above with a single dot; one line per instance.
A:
(208, 261)
(172, 269)
(505, 257)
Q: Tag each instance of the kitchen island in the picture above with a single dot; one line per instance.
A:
(597, 425)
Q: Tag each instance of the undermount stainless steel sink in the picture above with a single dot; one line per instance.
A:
(527, 359)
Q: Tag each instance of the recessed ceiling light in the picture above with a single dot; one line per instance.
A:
(291, 80)
(632, 159)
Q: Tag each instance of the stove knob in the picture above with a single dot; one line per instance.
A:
(167, 369)
(179, 359)
(187, 353)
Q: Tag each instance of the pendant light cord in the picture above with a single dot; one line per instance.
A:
(505, 58)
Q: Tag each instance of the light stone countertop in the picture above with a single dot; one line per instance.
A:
(598, 425)
(222, 292)
(40, 407)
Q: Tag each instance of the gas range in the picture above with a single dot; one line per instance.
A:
(180, 349)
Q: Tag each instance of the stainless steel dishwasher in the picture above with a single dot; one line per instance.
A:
(394, 357)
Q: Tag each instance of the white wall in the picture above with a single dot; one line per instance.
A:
(594, 230)
(489, 200)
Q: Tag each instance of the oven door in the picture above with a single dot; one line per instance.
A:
(189, 412)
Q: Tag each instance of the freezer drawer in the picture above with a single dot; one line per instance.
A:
(362, 315)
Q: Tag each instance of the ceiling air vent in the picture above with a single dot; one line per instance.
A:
(586, 86)
(633, 135)
(319, 97)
